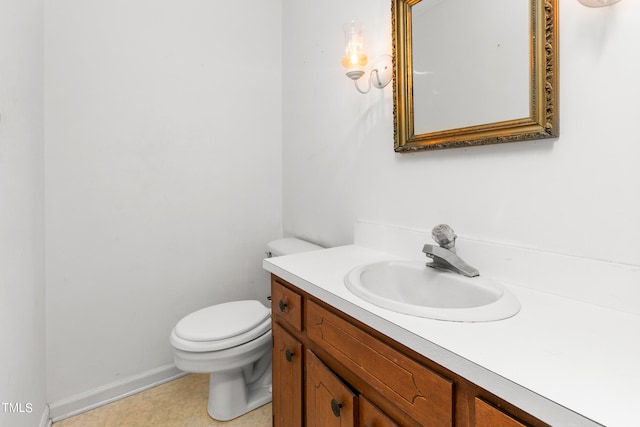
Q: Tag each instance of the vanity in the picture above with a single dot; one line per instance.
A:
(339, 360)
(330, 369)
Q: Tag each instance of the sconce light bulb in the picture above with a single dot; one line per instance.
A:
(354, 60)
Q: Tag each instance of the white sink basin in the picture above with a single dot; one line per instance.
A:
(410, 287)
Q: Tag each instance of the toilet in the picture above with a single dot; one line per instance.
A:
(232, 343)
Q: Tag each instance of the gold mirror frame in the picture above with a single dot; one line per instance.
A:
(543, 88)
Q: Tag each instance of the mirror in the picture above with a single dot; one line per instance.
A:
(470, 72)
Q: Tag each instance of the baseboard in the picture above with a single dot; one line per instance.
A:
(96, 397)
(45, 420)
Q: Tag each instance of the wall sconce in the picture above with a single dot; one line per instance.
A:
(355, 59)
(598, 3)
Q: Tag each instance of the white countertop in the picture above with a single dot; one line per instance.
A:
(564, 361)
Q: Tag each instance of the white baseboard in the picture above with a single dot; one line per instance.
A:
(99, 396)
(45, 420)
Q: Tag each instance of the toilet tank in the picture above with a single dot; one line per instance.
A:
(290, 245)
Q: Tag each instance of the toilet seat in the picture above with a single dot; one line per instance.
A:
(221, 326)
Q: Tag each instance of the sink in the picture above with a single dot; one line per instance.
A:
(410, 287)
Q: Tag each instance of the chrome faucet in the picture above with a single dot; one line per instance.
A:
(444, 256)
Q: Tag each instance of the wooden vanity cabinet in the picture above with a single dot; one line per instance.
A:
(331, 370)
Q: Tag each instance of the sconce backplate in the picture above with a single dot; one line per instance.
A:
(382, 71)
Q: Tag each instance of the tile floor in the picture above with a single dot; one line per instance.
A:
(178, 403)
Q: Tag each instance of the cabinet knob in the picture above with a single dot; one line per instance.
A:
(289, 355)
(282, 306)
(335, 407)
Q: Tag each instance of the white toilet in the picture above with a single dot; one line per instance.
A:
(232, 342)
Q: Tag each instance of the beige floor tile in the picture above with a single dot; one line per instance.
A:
(179, 403)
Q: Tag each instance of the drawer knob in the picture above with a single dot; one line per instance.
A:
(335, 407)
(282, 306)
(288, 355)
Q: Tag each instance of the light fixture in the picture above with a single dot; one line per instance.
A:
(598, 3)
(355, 59)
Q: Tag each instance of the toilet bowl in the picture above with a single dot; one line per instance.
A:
(232, 342)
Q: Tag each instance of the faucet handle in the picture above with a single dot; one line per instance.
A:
(444, 236)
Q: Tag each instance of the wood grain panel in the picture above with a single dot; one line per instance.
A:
(371, 416)
(423, 394)
(323, 390)
(488, 416)
(287, 379)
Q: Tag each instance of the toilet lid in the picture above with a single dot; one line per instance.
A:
(222, 321)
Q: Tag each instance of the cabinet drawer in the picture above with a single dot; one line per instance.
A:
(286, 304)
(489, 416)
(421, 393)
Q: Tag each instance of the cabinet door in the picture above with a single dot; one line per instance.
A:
(371, 416)
(329, 402)
(287, 379)
(488, 416)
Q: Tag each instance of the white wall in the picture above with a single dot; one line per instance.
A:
(575, 195)
(22, 358)
(163, 168)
